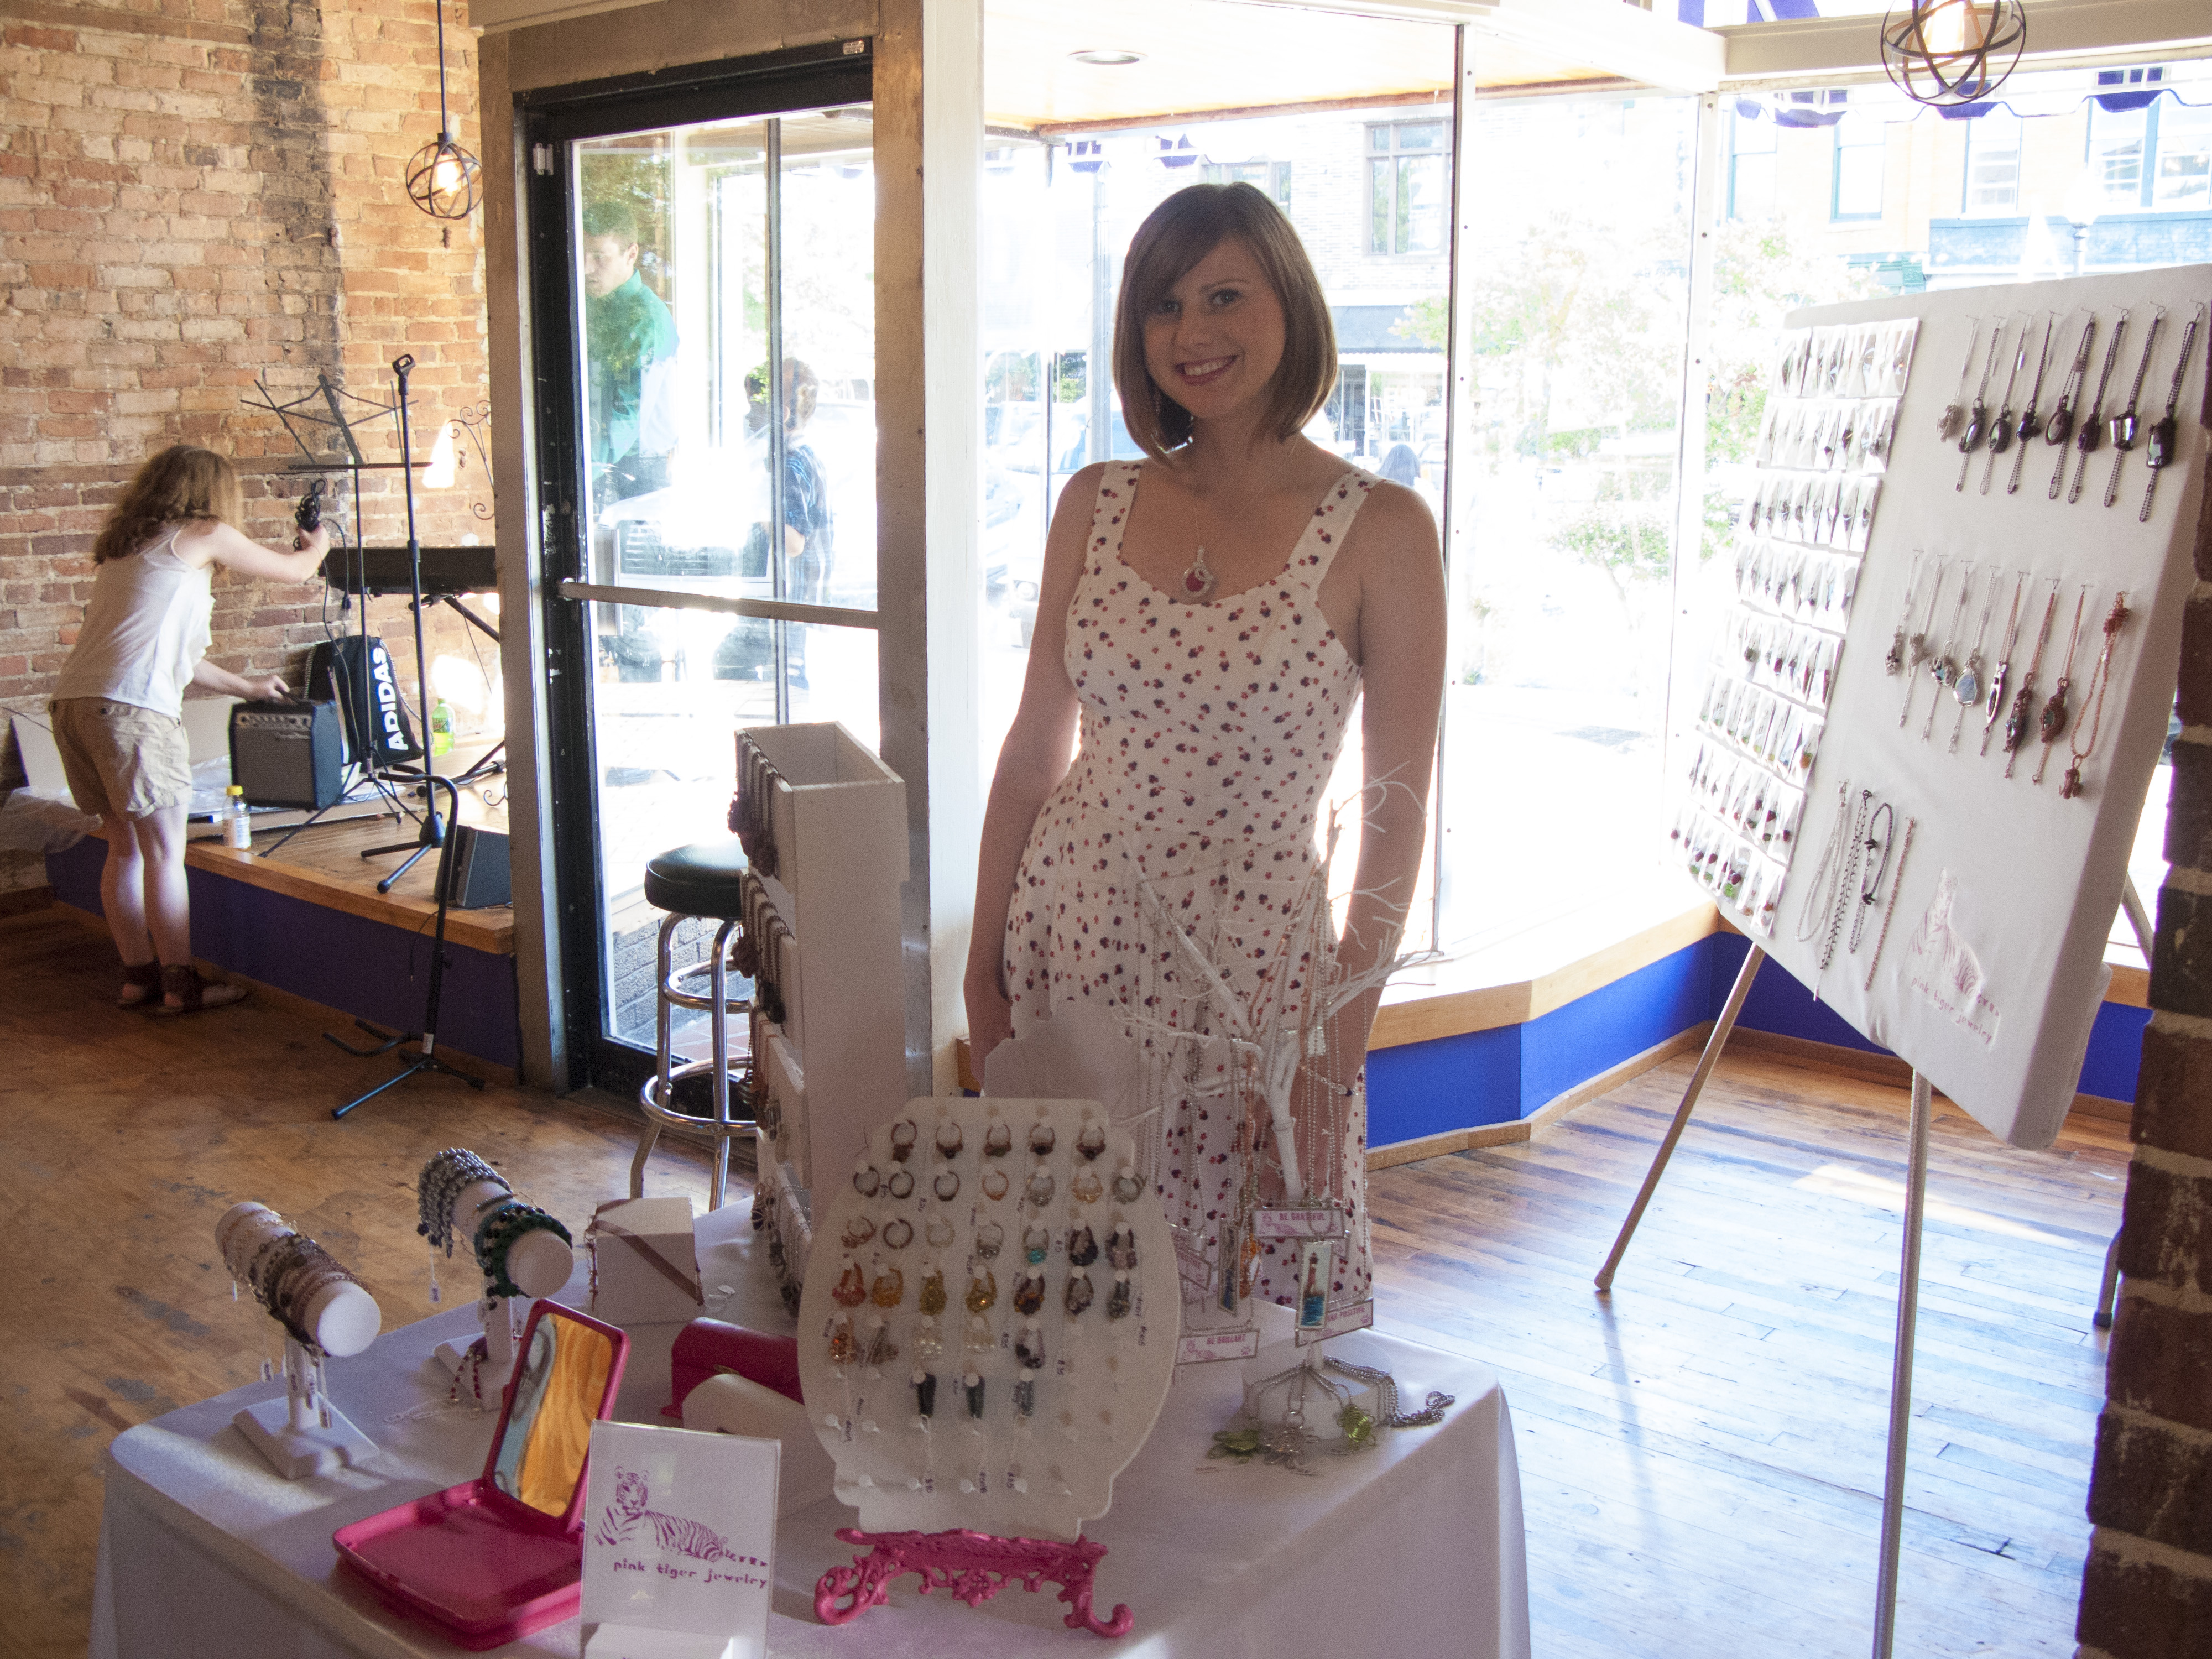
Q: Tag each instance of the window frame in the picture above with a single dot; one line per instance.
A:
(1969, 207)
(1387, 161)
(1879, 145)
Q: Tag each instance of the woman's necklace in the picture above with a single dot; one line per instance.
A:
(1198, 581)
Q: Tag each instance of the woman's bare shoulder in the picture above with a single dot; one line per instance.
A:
(1396, 521)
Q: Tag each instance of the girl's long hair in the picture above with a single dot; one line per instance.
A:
(183, 484)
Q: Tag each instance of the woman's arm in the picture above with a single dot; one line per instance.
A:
(1401, 634)
(213, 542)
(1030, 766)
(257, 688)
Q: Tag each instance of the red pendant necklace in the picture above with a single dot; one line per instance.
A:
(1197, 580)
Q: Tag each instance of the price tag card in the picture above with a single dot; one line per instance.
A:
(1298, 1221)
(680, 1543)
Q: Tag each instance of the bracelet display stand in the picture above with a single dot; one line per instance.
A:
(1960, 680)
(303, 1433)
(538, 1263)
(826, 837)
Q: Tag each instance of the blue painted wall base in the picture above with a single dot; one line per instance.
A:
(1483, 1077)
(366, 969)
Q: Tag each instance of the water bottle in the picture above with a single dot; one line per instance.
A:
(237, 825)
(441, 727)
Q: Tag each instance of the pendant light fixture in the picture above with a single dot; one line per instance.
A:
(441, 178)
(1949, 52)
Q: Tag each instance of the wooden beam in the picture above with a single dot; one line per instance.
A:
(929, 423)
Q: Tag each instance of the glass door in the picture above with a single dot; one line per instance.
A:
(707, 430)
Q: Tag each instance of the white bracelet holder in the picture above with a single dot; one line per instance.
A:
(539, 1263)
(303, 1433)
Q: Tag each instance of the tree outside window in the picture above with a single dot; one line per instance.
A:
(1408, 187)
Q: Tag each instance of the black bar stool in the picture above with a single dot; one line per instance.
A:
(700, 881)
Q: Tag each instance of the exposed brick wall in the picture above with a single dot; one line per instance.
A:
(195, 196)
(2147, 1591)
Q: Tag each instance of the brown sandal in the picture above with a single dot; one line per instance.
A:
(194, 994)
(143, 977)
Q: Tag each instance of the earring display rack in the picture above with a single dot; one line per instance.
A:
(1824, 450)
(824, 825)
(2000, 696)
(989, 1328)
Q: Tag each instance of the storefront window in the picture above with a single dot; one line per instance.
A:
(1408, 187)
(1750, 164)
(1993, 163)
(1860, 139)
(2116, 156)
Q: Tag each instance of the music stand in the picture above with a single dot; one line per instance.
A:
(434, 832)
(375, 774)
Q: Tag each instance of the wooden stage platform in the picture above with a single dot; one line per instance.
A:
(308, 923)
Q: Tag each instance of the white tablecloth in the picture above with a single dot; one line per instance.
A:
(1414, 1548)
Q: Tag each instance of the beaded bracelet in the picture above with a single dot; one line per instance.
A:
(494, 1238)
(286, 1274)
(445, 1178)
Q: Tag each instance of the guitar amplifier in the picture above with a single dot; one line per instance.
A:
(287, 754)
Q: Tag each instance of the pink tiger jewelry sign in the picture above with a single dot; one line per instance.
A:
(680, 1544)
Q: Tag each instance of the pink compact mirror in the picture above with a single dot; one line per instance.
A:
(496, 1558)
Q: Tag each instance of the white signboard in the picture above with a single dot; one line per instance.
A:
(679, 1542)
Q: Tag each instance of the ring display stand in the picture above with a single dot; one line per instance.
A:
(972, 1565)
(827, 853)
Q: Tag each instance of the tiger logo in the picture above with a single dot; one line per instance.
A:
(675, 1534)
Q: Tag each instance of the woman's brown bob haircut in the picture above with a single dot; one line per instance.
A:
(1179, 233)
(183, 484)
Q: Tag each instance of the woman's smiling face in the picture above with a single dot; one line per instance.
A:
(1214, 341)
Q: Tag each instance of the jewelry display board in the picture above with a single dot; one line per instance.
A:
(989, 1322)
(1997, 662)
(823, 825)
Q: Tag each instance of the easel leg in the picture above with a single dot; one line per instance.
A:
(1900, 1377)
(2131, 906)
(1714, 1044)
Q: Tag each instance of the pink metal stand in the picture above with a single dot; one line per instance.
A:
(974, 1565)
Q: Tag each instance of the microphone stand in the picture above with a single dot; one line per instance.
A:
(434, 831)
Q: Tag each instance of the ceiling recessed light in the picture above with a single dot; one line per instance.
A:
(1107, 56)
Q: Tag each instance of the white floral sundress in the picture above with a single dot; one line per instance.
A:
(1209, 734)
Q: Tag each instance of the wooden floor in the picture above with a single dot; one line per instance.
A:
(1701, 1453)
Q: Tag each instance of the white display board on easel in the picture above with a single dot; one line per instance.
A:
(1992, 823)
(1995, 917)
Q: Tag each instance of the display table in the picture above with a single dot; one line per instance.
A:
(1414, 1547)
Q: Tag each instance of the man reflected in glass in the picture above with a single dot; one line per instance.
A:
(630, 349)
(809, 551)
